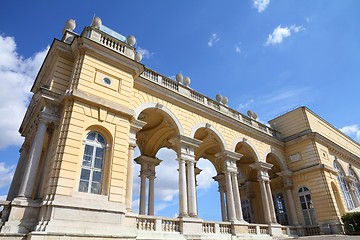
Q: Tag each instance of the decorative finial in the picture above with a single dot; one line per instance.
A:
(186, 81)
(131, 40)
(138, 56)
(179, 78)
(96, 22)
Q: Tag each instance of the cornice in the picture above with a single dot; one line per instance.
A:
(332, 146)
(101, 102)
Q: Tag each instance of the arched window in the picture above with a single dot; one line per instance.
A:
(344, 187)
(92, 163)
(307, 206)
(355, 184)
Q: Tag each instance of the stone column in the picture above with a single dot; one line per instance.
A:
(183, 208)
(265, 202)
(263, 176)
(291, 205)
(239, 214)
(230, 170)
(271, 202)
(19, 173)
(147, 170)
(129, 178)
(191, 189)
(142, 204)
(135, 126)
(27, 184)
(185, 148)
(222, 190)
(151, 195)
(230, 197)
(286, 176)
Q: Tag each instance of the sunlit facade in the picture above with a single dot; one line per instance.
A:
(94, 103)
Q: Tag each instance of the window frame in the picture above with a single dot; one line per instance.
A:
(309, 210)
(349, 202)
(89, 163)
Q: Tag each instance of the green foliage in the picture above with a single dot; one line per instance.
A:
(351, 222)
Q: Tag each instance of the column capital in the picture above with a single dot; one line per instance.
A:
(146, 160)
(135, 126)
(262, 168)
(185, 147)
(50, 113)
(229, 160)
(286, 176)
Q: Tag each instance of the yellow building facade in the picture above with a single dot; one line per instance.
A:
(94, 103)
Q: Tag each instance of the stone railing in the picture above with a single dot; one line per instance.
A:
(311, 230)
(149, 223)
(258, 229)
(110, 42)
(216, 228)
(208, 102)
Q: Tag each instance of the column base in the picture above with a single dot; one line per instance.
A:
(191, 227)
(22, 216)
(275, 229)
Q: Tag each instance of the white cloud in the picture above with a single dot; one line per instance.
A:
(204, 179)
(214, 38)
(261, 5)
(17, 75)
(145, 53)
(352, 131)
(237, 48)
(6, 174)
(280, 33)
(245, 105)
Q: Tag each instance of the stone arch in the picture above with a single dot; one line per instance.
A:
(277, 158)
(248, 144)
(161, 107)
(102, 130)
(212, 128)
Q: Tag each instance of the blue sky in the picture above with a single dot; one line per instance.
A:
(268, 56)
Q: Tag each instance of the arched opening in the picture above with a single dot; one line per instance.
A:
(155, 175)
(208, 166)
(249, 187)
(279, 199)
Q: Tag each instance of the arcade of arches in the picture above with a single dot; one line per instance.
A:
(94, 103)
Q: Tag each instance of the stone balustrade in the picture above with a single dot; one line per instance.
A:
(148, 223)
(109, 41)
(225, 229)
(208, 102)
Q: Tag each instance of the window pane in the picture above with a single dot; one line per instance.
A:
(91, 136)
(85, 174)
(303, 206)
(99, 153)
(83, 186)
(96, 176)
(88, 150)
(98, 163)
(95, 187)
(100, 139)
(302, 199)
